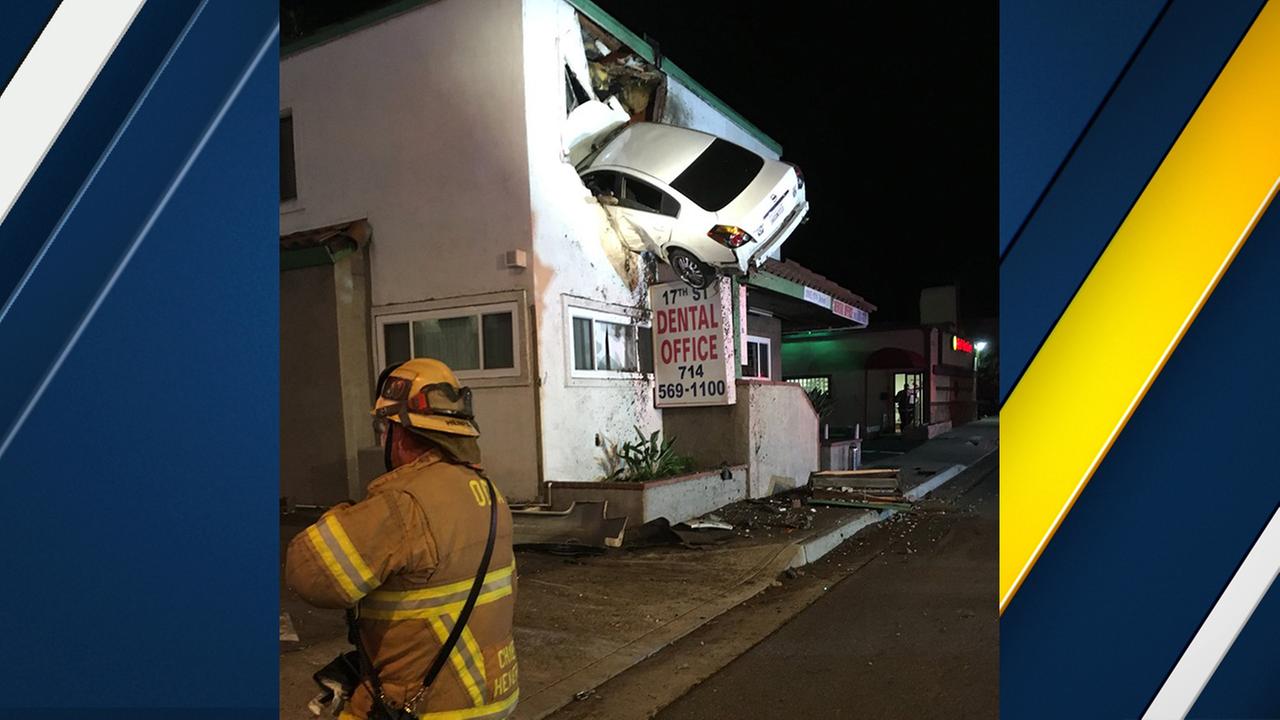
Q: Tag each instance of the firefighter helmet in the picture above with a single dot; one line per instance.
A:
(423, 394)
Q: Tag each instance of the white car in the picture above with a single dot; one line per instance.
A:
(699, 202)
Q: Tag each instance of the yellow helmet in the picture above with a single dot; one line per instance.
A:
(424, 394)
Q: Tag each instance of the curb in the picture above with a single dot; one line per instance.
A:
(812, 550)
(938, 480)
(559, 694)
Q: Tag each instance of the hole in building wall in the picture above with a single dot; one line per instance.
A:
(616, 71)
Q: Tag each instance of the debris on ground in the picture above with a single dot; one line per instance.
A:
(583, 694)
(710, 522)
(848, 497)
(287, 633)
(784, 511)
(702, 534)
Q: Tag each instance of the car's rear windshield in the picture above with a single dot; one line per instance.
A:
(719, 175)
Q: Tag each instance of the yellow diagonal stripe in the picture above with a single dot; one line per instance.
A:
(352, 554)
(331, 563)
(1135, 305)
(469, 681)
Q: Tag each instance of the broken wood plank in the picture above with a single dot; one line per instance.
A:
(864, 504)
(857, 494)
(889, 483)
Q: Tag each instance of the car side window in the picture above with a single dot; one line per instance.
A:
(602, 182)
(640, 195)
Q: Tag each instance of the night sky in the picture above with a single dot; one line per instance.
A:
(890, 109)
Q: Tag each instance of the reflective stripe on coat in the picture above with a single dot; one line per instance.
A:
(406, 557)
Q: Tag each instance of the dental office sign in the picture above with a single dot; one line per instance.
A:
(694, 351)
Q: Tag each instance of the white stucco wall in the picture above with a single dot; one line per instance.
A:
(686, 109)
(784, 436)
(576, 261)
(417, 123)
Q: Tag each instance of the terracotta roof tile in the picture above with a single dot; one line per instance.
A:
(795, 272)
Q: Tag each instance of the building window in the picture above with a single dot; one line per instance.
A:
(473, 341)
(757, 359)
(288, 173)
(609, 345)
(820, 383)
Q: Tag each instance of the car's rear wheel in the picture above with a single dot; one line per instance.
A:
(690, 269)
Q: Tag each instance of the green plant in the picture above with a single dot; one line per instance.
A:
(823, 403)
(649, 459)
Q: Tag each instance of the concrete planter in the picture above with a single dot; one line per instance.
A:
(677, 498)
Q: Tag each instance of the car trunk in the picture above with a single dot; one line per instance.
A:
(765, 204)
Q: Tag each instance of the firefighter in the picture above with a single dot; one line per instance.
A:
(409, 556)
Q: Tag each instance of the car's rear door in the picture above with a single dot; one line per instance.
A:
(645, 214)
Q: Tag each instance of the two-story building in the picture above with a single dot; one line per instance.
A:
(429, 208)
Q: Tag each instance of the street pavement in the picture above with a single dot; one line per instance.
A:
(911, 634)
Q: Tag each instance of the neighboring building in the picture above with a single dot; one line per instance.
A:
(428, 208)
(865, 369)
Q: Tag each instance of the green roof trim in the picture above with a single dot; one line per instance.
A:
(586, 7)
(769, 281)
(645, 50)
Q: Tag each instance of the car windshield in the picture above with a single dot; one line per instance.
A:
(719, 174)
(598, 145)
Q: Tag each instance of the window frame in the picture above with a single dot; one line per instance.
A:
(635, 320)
(795, 380)
(617, 182)
(665, 205)
(477, 311)
(759, 340)
(293, 159)
(295, 203)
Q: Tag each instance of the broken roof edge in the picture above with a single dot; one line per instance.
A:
(645, 50)
(586, 7)
(323, 245)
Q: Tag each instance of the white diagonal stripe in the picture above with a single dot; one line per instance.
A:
(268, 43)
(50, 83)
(1247, 587)
(102, 159)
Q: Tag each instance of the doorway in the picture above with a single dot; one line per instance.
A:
(913, 384)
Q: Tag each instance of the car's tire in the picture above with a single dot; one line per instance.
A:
(691, 270)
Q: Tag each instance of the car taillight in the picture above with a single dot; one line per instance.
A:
(799, 176)
(729, 236)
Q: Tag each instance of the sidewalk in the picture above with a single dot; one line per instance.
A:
(582, 621)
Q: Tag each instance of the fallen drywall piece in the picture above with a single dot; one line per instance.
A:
(583, 525)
